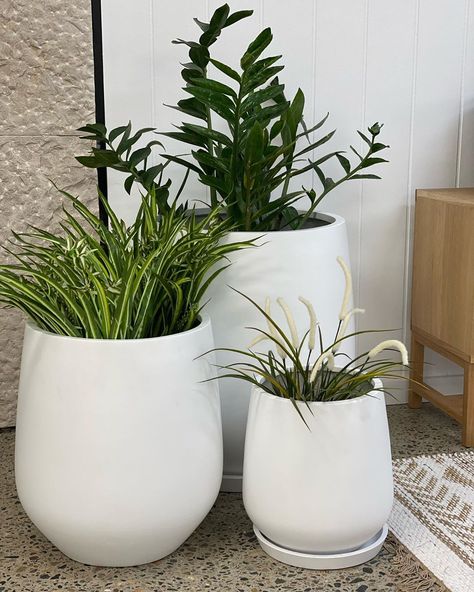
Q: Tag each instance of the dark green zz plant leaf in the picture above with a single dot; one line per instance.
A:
(116, 150)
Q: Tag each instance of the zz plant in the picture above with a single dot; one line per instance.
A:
(249, 168)
(117, 150)
(304, 369)
(104, 281)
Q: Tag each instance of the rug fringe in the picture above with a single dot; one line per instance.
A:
(411, 574)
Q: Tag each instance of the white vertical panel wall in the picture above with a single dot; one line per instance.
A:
(408, 64)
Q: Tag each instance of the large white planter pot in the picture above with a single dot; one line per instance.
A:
(286, 263)
(118, 442)
(323, 490)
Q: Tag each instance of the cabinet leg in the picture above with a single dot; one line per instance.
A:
(468, 406)
(416, 371)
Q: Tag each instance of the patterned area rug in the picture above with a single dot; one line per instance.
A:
(433, 515)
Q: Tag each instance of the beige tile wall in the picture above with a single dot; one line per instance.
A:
(46, 93)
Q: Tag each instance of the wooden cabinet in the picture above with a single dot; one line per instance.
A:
(443, 296)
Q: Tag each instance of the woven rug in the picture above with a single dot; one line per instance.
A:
(433, 515)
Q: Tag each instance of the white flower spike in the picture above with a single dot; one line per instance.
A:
(257, 340)
(290, 320)
(313, 322)
(348, 288)
(390, 344)
(324, 357)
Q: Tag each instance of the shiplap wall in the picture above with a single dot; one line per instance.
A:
(409, 64)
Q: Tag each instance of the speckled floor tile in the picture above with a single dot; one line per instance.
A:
(422, 431)
(222, 555)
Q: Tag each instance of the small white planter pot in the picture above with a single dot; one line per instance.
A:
(118, 442)
(327, 490)
(290, 264)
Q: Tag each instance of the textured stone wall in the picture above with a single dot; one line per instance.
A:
(46, 93)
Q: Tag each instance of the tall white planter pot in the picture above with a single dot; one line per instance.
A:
(318, 497)
(286, 263)
(118, 442)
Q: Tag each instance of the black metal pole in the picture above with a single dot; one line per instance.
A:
(99, 91)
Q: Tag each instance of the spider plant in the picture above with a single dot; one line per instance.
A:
(115, 282)
(303, 369)
(250, 168)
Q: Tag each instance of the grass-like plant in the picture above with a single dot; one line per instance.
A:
(250, 167)
(304, 369)
(116, 282)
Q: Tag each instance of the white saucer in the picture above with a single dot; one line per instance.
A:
(324, 561)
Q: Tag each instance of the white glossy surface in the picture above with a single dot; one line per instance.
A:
(118, 443)
(287, 264)
(327, 489)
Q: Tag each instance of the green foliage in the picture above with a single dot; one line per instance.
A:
(249, 169)
(114, 282)
(116, 150)
(262, 151)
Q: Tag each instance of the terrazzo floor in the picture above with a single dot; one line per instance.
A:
(222, 555)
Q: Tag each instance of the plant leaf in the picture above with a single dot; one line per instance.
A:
(255, 49)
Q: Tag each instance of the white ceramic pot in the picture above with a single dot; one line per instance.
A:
(118, 442)
(327, 489)
(286, 263)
